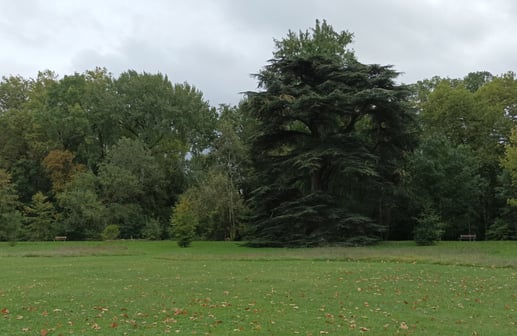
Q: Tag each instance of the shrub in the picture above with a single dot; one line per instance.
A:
(429, 227)
(499, 230)
(111, 232)
(152, 229)
(184, 222)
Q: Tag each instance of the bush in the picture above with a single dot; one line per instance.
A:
(111, 232)
(184, 222)
(152, 230)
(429, 228)
(499, 230)
(11, 227)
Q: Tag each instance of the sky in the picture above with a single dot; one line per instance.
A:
(216, 45)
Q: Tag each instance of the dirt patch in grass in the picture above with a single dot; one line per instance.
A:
(76, 251)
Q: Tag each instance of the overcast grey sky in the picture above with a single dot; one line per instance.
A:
(216, 44)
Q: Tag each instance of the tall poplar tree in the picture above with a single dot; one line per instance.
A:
(329, 131)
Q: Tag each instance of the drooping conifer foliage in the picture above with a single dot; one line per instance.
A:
(329, 131)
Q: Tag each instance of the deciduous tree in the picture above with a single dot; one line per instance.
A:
(445, 181)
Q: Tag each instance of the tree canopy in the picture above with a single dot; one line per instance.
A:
(327, 150)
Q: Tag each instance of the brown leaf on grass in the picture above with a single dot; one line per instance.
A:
(4, 311)
(114, 325)
(43, 332)
(178, 311)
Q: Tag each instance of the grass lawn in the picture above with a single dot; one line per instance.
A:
(157, 288)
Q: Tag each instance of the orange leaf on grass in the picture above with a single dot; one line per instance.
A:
(43, 332)
(4, 311)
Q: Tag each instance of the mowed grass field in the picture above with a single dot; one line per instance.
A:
(221, 288)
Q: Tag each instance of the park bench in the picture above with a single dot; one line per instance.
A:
(59, 238)
(469, 237)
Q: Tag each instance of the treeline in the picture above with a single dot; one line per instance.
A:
(89, 150)
(327, 151)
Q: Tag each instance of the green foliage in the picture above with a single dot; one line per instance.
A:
(132, 132)
(317, 156)
(164, 116)
(101, 100)
(184, 222)
(40, 217)
(499, 230)
(218, 206)
(509, 162)
(11, 226)
(82, 211)
(152, 229)
(429, 227)
(446, 178)
(8, 196)
(14, 92)
(63, 115)
(29, 177)
(453, 111)
(133, 186)
(322, 40)
(110, 232)
(220, 177)
(130, 218)
(329, 128)
(477, 111)
(10, 217)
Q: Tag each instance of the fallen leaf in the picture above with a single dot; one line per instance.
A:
(4, 311)
(43, 332)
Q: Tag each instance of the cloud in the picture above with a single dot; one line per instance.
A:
(216, 45)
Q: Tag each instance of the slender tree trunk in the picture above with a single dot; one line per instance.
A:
(316, 182)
